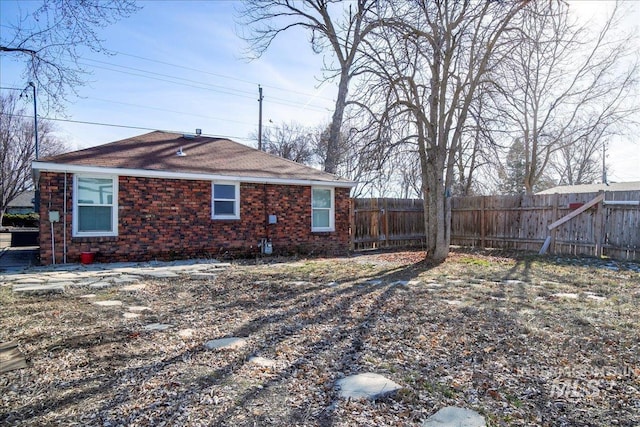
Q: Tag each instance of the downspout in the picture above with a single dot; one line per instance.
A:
(53, 239)
(266, 212)
(64, 222)
(266, 247)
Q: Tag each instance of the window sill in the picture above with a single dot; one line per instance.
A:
(93, 239)
(323, 231)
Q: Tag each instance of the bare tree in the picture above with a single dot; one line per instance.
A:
(428, 62)
(49, 41)
(17, 145)
(580, 162)
(564, 85)
(334, 26)
(290, 141)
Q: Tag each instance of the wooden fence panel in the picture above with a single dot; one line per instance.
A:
(611, 228)
(382, 223)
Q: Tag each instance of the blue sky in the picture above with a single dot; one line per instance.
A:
(179, 65)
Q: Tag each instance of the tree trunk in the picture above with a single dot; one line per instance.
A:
(333, 145)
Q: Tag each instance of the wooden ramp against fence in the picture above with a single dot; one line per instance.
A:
(609, 227)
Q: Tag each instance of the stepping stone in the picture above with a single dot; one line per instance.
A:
(452, 301)
(157, 327)
(138, 308)
(71, 280)
(65, 283)
(39, 288)
(108, 303)
(262, 361)
(161, 274)
(83, 282)
(124, 279)
(374, 282)
(513, 282)
(29, 281)
(596, 297)
(298, 283)
(100, 285)
(367, 385)
(400, 283)
(88, 296)
(130, 315)
(452, 416)
(133, 288)
(232, 343)
(413, 282)
(203, 276)
(565, 295)
(332, 284)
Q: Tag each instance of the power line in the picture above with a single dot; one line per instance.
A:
(125, 126)
(160, 74)
(205, 86)
(219, 75)
(168, 111)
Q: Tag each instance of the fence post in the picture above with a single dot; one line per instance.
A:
(483, 231)
(385, 212)
(554, 216)
(352, 224)
(598, 228)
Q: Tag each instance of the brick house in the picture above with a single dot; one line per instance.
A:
(164, 195)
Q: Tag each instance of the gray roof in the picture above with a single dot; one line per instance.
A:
(23, 200)
(593, 188)
(157, 151)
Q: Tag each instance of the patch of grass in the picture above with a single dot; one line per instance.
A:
(475, 261)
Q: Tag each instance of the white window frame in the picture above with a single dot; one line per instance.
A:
(331, 210)
(236, 184)
(114, 207)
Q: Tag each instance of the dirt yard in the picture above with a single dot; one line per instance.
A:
(522, 340)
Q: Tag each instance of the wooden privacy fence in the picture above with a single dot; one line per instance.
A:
(610, 227)
(383, 223)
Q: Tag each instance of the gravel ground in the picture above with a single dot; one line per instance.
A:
(521, 339)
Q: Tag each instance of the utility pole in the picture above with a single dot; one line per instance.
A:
(604, 165)
(35, 116)
(260, 98)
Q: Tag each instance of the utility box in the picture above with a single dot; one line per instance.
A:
(273, 219)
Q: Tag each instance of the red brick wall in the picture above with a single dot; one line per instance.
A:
(171, 219)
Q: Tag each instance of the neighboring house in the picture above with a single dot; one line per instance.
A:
(164, 195)
(23, 204)
(593, 188)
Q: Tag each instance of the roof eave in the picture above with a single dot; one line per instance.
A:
(147, 173)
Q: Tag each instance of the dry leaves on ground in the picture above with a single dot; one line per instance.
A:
(521, 339)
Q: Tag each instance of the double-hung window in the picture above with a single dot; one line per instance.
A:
(95, 206)
(225, 200)
(322, 209)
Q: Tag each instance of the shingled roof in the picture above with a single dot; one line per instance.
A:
(593, 188)
(155, 154)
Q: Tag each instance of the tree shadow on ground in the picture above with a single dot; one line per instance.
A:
(346, 324)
